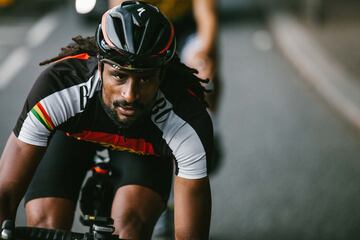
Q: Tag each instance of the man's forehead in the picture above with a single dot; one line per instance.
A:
(129, 69)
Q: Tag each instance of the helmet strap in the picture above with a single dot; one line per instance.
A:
(101, 69)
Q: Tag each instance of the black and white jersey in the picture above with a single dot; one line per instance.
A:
(66, 97)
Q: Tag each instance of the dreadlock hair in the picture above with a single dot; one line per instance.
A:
(180, 75)
(175, 70)
(80, 45)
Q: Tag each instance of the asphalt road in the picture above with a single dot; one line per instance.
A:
(291, 164)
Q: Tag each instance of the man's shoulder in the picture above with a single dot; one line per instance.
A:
(68, 71)
(66, 76)
(172, 113)
(79, 64)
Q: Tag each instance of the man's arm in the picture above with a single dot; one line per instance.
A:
(17, 166)
(113, 3)
(192, 199)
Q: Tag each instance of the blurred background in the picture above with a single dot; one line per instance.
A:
(289, 114)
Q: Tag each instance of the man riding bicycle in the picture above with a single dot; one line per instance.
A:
(125, 91)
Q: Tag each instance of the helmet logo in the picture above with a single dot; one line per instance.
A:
(141, 10)
(116, 67)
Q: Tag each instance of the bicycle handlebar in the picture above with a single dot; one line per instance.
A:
(10, 232)
(32, 233)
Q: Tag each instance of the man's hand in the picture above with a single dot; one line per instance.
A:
(202, 62)
(192, 199)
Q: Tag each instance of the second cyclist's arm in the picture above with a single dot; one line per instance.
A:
(17, 166)
(207, 23)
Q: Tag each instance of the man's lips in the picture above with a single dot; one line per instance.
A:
(129, 112)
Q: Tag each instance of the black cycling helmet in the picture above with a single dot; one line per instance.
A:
(136, 35)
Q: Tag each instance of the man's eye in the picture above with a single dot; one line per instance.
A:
(120, 76)
(145, 80)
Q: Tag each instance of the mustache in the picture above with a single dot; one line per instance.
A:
(125, 104)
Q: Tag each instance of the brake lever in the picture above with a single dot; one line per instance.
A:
(7, 229)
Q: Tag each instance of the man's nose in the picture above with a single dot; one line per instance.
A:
(130, 91)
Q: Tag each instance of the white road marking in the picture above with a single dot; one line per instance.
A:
(317, 66)
(42, 30)
(19, 57)
(13, 65)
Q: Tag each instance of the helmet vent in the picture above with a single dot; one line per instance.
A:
(138, 37)
(119, 38)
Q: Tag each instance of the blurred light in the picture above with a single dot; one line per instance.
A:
(262, 40)
(5, 3)
(84, 6)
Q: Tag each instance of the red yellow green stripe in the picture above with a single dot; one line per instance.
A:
(40, 113)
(116, 142)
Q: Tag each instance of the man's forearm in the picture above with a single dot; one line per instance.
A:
(17, 164)
(8, 207)
(192, 208)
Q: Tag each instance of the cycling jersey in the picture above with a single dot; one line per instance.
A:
(66, 161)
(66, 97)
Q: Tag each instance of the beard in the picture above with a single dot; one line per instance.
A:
(127, 122)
